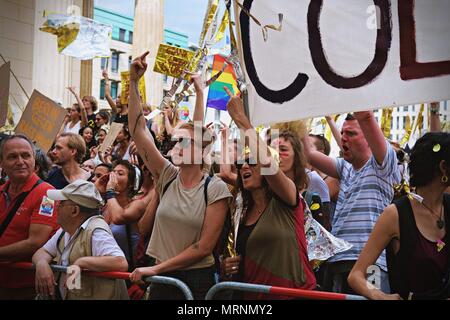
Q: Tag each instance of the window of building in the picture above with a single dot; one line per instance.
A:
(122, 35)
(114, 89)
(102, 89)
(115, 62)
(103, 63)
(130, 37)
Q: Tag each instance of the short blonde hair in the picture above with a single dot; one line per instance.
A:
(75, 141)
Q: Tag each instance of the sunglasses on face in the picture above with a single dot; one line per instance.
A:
(185, 142)
(250, 161)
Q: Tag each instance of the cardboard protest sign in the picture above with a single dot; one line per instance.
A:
(111, 136)
(340, 56)
(41, 120)
(4, 92)
(125, 84)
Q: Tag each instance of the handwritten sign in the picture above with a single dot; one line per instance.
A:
(340, 56)
(41, 120)
(111, 136)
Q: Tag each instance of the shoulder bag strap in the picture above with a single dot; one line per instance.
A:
(16, 206)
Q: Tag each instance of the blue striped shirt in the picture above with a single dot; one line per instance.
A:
(363, 195)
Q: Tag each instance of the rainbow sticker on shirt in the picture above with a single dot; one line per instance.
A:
(47, 207)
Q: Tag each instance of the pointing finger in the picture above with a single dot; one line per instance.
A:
(229, 93)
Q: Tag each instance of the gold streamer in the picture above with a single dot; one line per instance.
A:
(264, 28)
(209, 17)
(386, 122)
(419, 123)
(408, 130)
(223, 26)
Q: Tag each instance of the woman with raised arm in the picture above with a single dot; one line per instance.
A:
(119, 110)
(192, 206)
(271, 244)
(414, 230)
(88, 106)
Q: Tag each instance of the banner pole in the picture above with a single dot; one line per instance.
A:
(12, 72)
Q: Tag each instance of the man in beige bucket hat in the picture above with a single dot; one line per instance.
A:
(84, 241)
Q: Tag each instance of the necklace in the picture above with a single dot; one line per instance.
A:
(440, 221)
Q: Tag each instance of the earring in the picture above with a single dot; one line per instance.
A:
(444, 179)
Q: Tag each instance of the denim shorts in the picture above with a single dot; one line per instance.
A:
(199, 282)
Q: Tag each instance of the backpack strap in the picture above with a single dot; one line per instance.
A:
(20, 199)
(167, 186)
(205, 189)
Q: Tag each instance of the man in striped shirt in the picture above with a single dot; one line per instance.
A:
(366, 174)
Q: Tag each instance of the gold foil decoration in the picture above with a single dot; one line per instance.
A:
(408, 130)
(209, 17)
(173, 61)
(66, 34)
(386, 122)
(223, 27)
(125, 84)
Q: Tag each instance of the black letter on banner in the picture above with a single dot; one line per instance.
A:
(409, 67)
(274, 96)
(383, 45)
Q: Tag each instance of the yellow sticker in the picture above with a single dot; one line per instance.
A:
(437, 147)
(315, 206)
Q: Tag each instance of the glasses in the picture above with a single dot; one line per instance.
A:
(185, 142)
(250, 161)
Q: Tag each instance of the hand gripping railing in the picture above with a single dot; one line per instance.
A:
(110, 275)
(299, 293)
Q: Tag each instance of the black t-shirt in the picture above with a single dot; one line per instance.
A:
(56, 178)
(121, 118)
(91, 120)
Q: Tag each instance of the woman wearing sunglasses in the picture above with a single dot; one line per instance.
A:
(271, 244)
(190, 214)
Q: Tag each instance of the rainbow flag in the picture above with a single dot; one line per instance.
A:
(217, 97)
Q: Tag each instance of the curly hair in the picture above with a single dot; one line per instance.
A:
(426, 156)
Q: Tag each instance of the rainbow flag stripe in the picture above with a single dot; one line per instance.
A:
(217, 97)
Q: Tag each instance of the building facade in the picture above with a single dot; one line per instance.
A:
(121, 53)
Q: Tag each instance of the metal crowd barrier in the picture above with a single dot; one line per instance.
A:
(110, 275)
(298, 293)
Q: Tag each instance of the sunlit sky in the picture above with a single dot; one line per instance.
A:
(182, 16)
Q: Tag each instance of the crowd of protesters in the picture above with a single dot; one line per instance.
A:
(153, 204)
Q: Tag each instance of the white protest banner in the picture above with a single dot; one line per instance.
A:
(111, 136)
(41, 120)
(340, 56)
(4, 92)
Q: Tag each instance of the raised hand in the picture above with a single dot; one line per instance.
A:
(235, 108)
(72, 89)
(138, 67)
(105, 74)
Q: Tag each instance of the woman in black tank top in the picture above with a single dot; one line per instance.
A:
(414, 230)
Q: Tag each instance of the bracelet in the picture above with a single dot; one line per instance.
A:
(110, 195)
